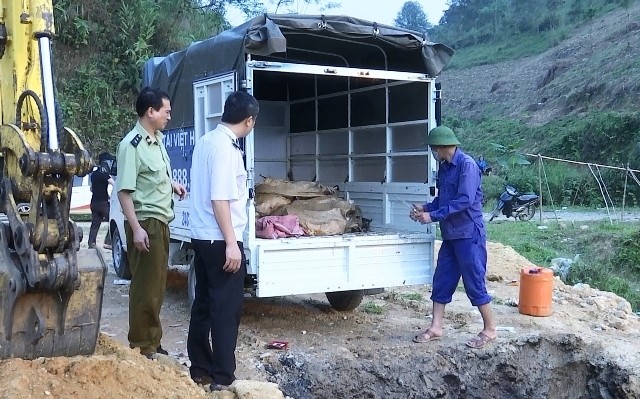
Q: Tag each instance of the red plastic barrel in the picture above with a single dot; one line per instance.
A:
(536, 291)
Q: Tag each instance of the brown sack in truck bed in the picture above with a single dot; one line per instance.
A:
(316, 223)
(326, 215)
(266, 203)
(290, 189)
(319, 209)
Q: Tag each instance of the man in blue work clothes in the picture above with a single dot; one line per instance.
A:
(458, 209)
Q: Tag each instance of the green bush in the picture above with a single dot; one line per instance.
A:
(492, 187)
(603, 278)
(628, 255)
(71, 27)
(599, 137)
(412, 296)
(490, 31)
(492, 52)
(373, 308)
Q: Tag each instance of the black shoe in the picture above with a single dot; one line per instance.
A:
(203, 380)
(161, 351)
(91, 246)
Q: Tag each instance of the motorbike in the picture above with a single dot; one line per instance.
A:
(515, 204)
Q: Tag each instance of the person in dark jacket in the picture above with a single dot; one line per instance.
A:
(100, 181)
(458, 209)
(485, 169)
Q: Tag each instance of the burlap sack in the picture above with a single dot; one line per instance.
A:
(351, 213)
(316, 223)
(289, 189)
(318, 208)
(267, 203)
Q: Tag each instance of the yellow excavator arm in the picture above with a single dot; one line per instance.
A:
(50, 290)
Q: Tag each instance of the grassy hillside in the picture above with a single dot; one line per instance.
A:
(593, 69)
(579, 100)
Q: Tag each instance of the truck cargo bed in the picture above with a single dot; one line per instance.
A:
(381, 258)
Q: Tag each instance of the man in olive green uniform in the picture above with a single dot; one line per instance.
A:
(145, 191)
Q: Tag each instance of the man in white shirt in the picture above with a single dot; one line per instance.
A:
(218, 217)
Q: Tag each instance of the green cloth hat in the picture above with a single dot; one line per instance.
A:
(442, 135)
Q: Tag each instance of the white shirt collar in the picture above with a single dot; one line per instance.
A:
(228, 132)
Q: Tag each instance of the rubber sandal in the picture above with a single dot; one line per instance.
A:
(426, 336)
(480, 341)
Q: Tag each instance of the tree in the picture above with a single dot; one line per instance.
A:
(509, 156)
(300, 6)
(413, 17)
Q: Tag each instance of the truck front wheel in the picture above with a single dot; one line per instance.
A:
(120, 260)
(345, 300)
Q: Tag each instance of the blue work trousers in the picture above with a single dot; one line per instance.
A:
(466, 258)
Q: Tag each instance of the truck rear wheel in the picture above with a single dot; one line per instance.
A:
(120, 260)
(345, 300)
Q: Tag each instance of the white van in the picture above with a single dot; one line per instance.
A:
(342, 101)
(81, 194)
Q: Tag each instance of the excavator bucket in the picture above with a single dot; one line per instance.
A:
(50, 291)
(41, 323)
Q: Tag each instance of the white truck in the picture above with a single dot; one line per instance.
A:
(344, 102)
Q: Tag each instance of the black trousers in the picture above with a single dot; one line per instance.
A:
(99, 214)
(215, 313)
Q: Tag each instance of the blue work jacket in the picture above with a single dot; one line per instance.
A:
(458, 204)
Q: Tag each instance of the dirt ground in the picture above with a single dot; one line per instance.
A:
(588, 348)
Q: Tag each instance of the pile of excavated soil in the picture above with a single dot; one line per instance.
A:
(115, 371)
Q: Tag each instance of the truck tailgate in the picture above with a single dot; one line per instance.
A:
(340, 263)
